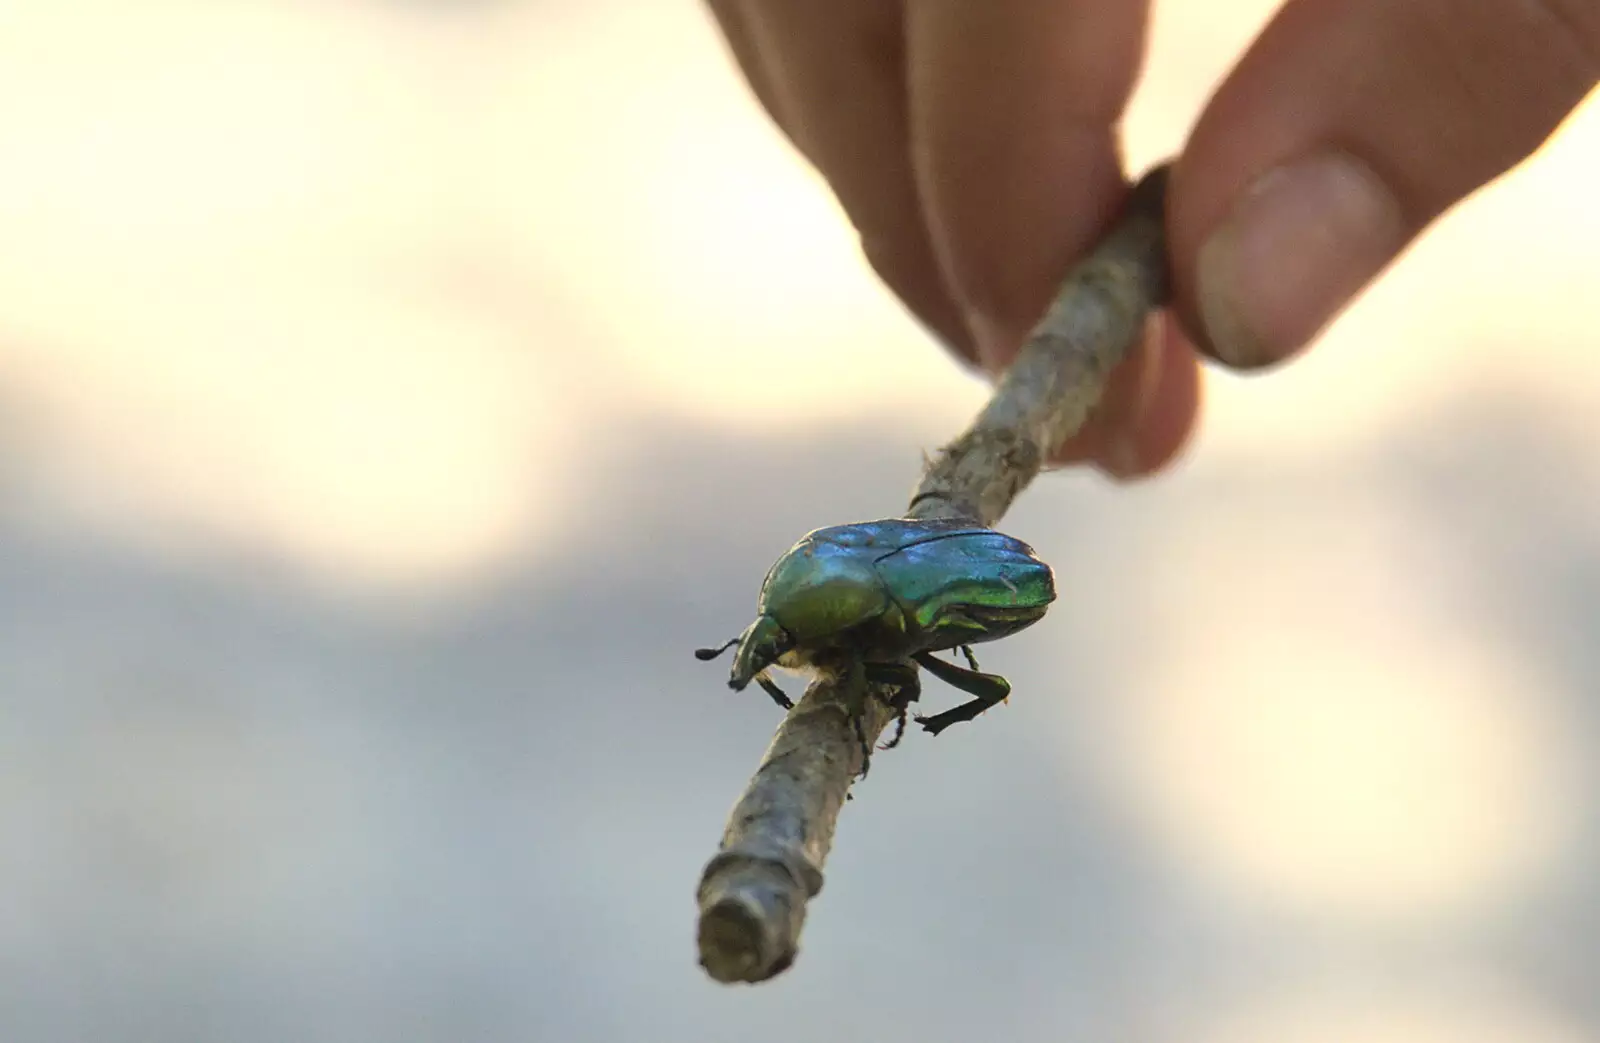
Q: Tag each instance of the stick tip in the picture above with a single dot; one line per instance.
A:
(737, 942)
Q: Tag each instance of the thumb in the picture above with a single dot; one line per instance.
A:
(1347, 128)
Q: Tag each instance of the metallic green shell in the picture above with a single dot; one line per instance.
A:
(896, 587)
(823, 586)
(968, 587)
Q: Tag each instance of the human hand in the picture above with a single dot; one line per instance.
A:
(973, 143)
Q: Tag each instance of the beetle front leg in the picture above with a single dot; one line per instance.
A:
(779, 696)
(987, 690)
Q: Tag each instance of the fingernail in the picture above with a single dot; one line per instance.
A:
(1122, 461)
(1301, 242)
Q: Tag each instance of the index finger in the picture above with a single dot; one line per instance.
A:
(1014, 113)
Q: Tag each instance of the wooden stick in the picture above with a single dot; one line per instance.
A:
(753, 893)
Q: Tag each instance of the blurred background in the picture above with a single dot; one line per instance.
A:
(392, 396)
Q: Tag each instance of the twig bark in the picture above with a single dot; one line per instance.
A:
(753, 893)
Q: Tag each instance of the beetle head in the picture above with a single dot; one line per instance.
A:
(761, 644)
(759, 647)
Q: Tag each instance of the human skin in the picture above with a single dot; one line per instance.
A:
(974, 147)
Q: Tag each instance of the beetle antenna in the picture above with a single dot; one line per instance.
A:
(705, 655)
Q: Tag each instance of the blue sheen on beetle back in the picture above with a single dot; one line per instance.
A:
(979, 584)
(897, 586)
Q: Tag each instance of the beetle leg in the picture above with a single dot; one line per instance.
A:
(986, 689)
(779, 696)
(972, 660)
(909, 685)
(858, 687)
(899, 729)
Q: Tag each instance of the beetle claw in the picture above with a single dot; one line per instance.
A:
(899, 731)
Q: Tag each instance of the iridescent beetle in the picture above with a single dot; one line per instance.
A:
(874, 597)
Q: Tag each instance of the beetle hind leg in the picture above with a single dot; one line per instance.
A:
(987, 690)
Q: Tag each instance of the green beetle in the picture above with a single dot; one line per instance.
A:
(874, 597)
